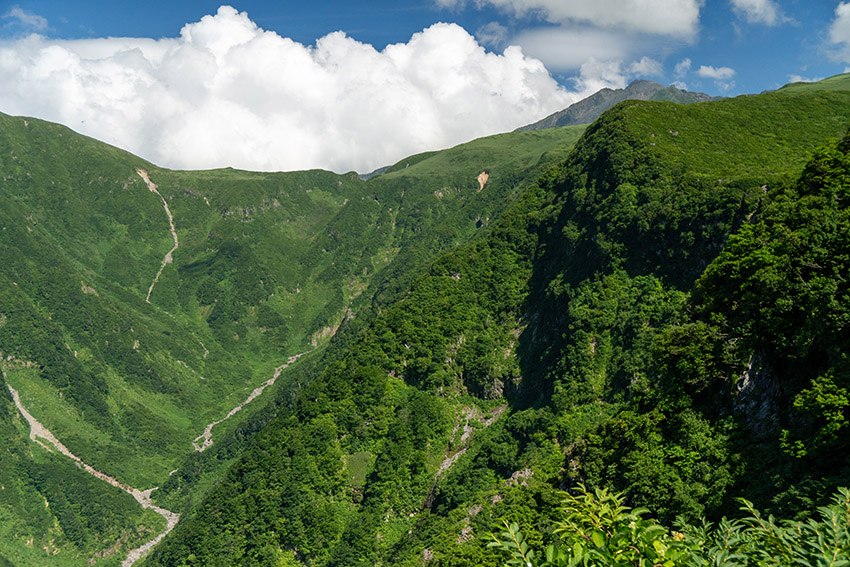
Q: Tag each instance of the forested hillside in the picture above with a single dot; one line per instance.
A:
(140, 307)
(323, 370)
(664, 313)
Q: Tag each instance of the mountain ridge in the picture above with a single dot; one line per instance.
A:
(589, 109)
(485, 325)
(127, 373)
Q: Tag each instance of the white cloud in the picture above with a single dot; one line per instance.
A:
(716, 73)
(722, 76)
(229, 93)
(567, 49)
(759, 11)
(492, 34)
(677, 18)
(596, 75)
(801, 79)
(25, 19)
(682, 68)
(839, 33)
(647, 67)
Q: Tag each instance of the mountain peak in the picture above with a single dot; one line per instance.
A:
(589, 109)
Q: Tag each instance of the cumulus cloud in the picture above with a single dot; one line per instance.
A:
(677, 18)
(839, 33)
(20, 18)
(492, 34)
(721, 76)
(759, 11)
(568, 48)
(596, 75)
(647, 67)
(682, 67)
(226, 92)
(716, 73)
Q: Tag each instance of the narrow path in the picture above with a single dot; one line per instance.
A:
(143, 497)
(168, 257)
(207, 434)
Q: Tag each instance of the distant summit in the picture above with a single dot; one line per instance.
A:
(589, 109)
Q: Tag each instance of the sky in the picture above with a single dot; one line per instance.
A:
(355, 85)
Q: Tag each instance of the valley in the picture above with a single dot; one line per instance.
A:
(38, 432)
(384, 370)
(135, 361)
(206, 436)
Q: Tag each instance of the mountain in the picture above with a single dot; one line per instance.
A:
(589, 109)
(140, 306)
(316, 369)
(663, 313)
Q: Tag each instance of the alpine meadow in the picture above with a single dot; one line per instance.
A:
(606, 344)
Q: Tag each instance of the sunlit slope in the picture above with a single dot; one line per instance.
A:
(125, 382)
(126, 368)
(53, 512)
(836, 83)
(525, 360)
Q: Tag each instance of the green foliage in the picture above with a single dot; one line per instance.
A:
(476, 347)
(572, 316)
(824, 405)
(596, 529)
(695, 358)
(778, 290)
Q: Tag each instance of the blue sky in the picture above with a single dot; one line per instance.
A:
(154, 95)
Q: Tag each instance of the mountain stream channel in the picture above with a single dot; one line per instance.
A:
(39, 433)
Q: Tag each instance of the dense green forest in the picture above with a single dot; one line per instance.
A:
(127, 368)
(608, 330)
(655, 306)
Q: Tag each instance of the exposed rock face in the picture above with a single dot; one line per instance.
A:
(758, 396)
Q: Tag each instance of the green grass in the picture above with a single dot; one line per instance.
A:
(357, 466)
(836, 83)
(508, 152)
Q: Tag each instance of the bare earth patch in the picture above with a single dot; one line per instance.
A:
(207, 434)
(168, 257)
(483, 178)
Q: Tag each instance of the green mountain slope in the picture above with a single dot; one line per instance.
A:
(568, 345)
(134, 338)
(836, 83)
(52, 512)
